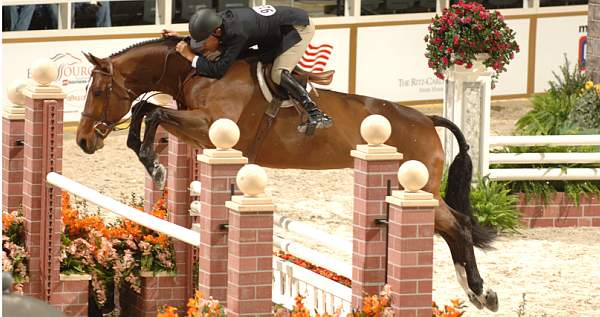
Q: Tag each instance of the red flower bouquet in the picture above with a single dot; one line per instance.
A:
(466, 30)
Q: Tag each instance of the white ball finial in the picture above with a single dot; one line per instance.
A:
(375, 129)
(413, 175)
(44, 71)
(14, 92)
(224, 134)
(252, 180)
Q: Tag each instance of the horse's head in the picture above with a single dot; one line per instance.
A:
(107, 102)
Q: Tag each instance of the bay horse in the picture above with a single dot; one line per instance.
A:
(154, 65)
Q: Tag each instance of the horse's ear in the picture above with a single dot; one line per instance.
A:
(99, 62)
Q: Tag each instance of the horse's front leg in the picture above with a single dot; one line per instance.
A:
(191, 126)
(138, 111)
(146, 152)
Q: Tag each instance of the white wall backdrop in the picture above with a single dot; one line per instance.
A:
(556, 36)
(390, 61)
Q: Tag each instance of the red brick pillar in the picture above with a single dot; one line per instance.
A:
(374, 167)
(71, 296)
(41, 202)
(157, 290)
(151, 191)
(13, 136)
(410, 248)
(178, 205)
(218, 169)
(250, 268)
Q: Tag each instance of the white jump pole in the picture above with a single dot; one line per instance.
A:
(312, 233)
(312, 256)
(139, 217)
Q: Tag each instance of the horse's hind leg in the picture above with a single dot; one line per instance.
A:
(455, 228)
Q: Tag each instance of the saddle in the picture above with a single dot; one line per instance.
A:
(303, 77)
(278, 98)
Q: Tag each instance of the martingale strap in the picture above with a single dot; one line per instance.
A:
(264, 127)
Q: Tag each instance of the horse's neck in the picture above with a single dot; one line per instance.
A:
(148, 72)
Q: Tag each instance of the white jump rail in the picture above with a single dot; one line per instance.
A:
(309, 232)
(321, 294)
(544, 158)
(546, 174)
(529, 140)
(130, 213)
(550, 174)
(312, 256)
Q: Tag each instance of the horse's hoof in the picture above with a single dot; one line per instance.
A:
(307, 128)
(159, 175)
(491, 300)
(475, 301)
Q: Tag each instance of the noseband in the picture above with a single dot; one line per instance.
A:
(101, 126)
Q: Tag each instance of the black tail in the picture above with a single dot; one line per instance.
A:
(458, 189)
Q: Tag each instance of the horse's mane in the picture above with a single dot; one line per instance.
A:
(160, 40)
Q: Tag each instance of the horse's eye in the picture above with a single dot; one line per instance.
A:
(97, 93)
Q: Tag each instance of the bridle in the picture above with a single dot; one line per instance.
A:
(101, 125)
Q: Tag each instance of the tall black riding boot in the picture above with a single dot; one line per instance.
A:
(316, 118)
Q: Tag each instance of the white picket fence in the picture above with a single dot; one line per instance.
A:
(321, 294)
(546, 174)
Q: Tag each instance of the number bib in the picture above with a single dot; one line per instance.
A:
(265, 10)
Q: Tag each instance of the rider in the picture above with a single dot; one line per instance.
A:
(285, 30)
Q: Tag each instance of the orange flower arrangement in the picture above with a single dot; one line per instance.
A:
(15, 257)
(449, 311)
(317, 269)
(113, 253)
(197, 307)
(7, 220)
(373, 306)
(168, 311)
(161, 239)
(77, 226)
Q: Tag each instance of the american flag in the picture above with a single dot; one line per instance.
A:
(315, 57)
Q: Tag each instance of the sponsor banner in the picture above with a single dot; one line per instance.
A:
(391, 64)
(73, 67)
(557, 37)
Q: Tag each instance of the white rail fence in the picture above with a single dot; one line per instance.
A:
(545, 174)
(289, 280)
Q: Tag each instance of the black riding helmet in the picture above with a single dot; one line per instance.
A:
(203, 23)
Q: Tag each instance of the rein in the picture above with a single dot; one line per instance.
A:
(101, 125)
(164, 71)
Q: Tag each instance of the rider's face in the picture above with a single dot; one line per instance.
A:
(211, 44)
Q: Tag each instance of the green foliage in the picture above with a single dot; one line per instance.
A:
(533, 189)
(551, 111)
(585, 112)
(549, 116)
(573, 190)
(494, 205)
(444, 183)
(568, 82)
